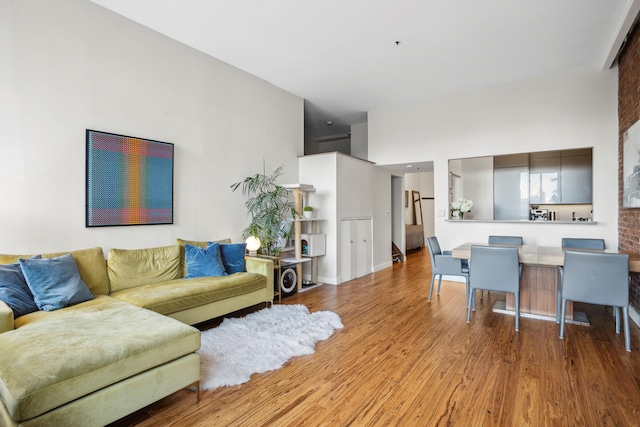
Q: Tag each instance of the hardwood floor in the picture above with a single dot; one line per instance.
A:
(403, 361)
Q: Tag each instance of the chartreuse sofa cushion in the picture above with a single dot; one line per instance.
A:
(183, 294)
(112, 340)
(130, 268)
(14, 290)
(55, 282)
(201, 262)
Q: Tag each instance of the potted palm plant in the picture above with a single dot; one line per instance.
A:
(270, 209)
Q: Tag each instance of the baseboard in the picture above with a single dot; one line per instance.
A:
(382, 266)
(327, 280)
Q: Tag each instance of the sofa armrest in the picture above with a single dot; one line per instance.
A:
(6, 318)
(262, 266)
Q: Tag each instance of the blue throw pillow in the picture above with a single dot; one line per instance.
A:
(233, 257)
(55, 282)
(14, 290)
(203, 262)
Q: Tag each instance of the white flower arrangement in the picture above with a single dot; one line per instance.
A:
(461, 206)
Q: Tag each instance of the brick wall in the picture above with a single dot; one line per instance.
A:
(628, 114)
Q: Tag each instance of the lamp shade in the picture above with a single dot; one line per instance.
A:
(253, 243)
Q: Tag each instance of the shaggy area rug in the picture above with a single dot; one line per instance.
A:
(261, 342)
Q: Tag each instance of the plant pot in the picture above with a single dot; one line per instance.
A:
(307, 214)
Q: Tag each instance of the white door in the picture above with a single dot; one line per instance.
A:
(356, 248)
(364, 261)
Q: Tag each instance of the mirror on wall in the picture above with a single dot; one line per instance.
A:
(536, 186)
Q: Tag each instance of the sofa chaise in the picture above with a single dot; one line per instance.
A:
(129, 345)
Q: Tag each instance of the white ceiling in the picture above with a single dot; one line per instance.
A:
(341, 56)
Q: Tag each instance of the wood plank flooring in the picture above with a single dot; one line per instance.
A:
(403, 361)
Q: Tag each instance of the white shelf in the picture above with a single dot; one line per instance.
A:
(302, 187)
(294, 260)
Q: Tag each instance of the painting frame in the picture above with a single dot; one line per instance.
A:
(129, 180)
(631, 166)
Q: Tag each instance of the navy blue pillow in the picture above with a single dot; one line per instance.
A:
(233, 257)
(14, 290)
(55, 282)
(203, 262)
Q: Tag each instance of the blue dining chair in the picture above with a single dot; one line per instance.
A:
(582, 243)
(574, 243)
(597, 278)
(506, 240)
(442, 263)
(494, 268)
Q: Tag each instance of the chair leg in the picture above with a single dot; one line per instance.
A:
(562, 315)
(616, 313)
(558, 295)
(627, 332)
(470, 299)
(439, 283)
(433, 276)
(466, 282)
(517, 296)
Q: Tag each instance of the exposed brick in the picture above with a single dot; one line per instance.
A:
(628, 114)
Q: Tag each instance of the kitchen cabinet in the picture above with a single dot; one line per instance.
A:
(544, 178)
(577, 177)
(561, 177)
(511, 187)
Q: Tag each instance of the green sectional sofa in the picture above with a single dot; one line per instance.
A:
(94, 362)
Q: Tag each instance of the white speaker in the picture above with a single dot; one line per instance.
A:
(288, 280)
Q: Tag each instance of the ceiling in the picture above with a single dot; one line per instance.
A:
(347, 57)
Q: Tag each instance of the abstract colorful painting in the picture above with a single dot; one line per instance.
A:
(129, 180)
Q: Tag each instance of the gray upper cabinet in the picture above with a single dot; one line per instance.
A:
(577, 176)
(544, 178)
(511, 187)
(560, 177)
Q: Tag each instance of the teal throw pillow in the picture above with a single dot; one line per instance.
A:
(55, 282)
(203, 262)
(14, 290)
(233, 257)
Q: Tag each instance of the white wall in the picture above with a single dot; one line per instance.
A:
(347, 187)
(428, 205)
(574, 109)
(364, 191)
(320, 170)
(70, 65)
(359, 141)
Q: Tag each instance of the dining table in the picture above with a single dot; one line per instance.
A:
(539, 280)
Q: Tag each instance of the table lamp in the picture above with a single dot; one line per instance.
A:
(253, 244)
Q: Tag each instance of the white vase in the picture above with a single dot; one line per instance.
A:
(307, 214)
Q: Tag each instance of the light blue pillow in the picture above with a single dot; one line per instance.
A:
(55, 282)
(233, 257)
(14, 290)
(203, 262)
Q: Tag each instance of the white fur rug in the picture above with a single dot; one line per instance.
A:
(261, 342)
